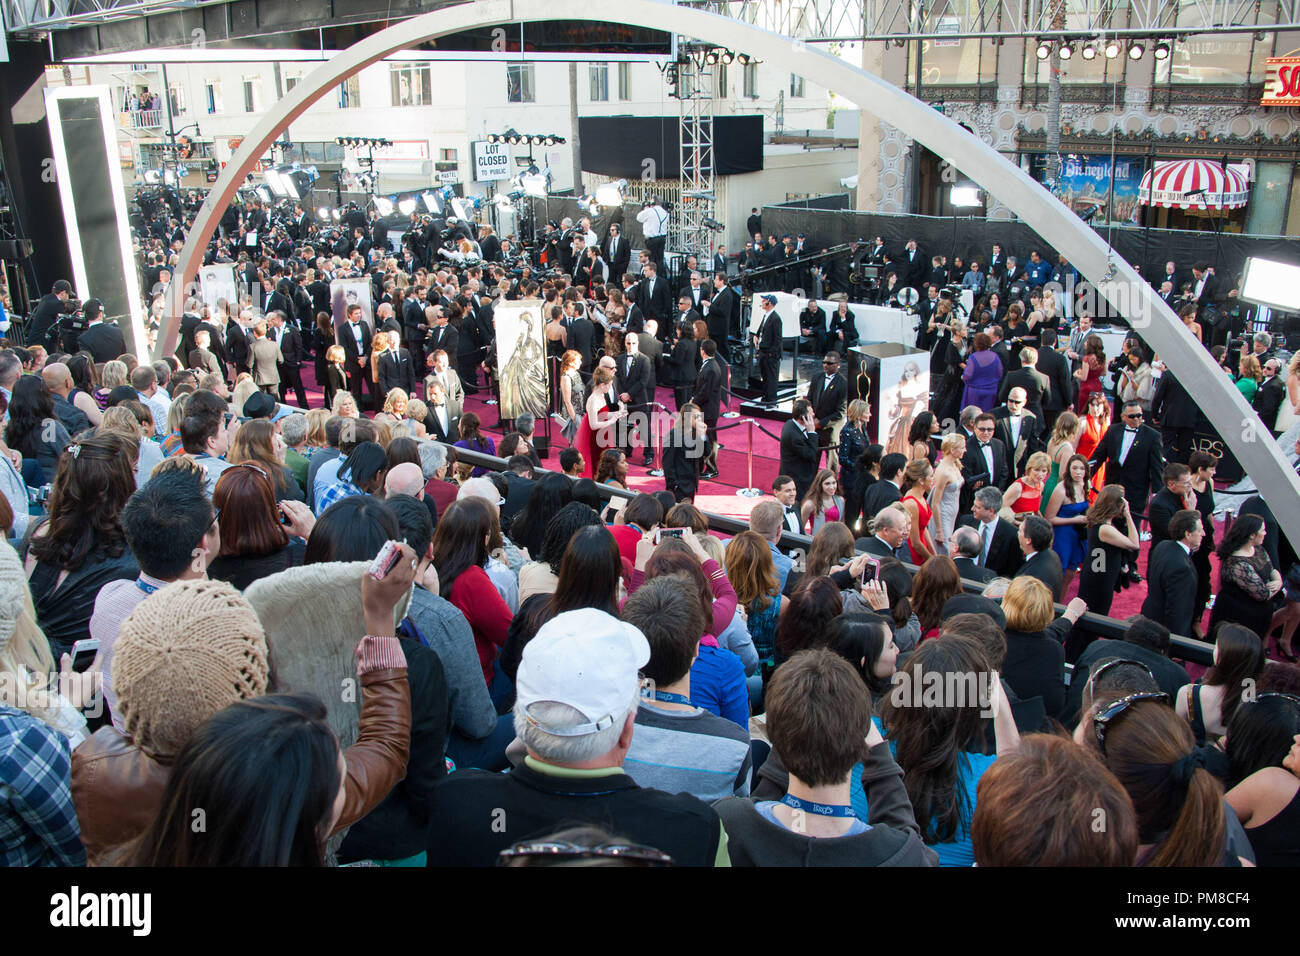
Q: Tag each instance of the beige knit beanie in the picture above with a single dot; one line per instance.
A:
(12, 584)
(185, 653)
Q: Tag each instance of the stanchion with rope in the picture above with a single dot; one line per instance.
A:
(656, 441)
(749, 491)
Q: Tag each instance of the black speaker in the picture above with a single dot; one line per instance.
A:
(15, 250)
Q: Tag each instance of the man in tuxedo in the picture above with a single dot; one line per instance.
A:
(708, 397)
(812, 325)
(1000, 550)
(1171, 576)
(829, 395)
(440, 423)
(695, 291)
(580, 332)
(1206, 287)
(1176, 413)
(1053, 365)
(887, 490)
(438, 333)
(787, 496)
(633, 381)
(997, 268)
(1177, 495)
(964, 549)
(102, 339)
(888, 534)
(1018, 430)
(355, 338)
(441, 373)
(768, 342)
(1268, 399)
(1169, 295)
(654, 298)
(1028, 377)
(985, 463)
(234, 342)
(396, 370)
(799, 451)
(616, 250)
(1035, 538)
(1000, 348)
(290, 341)
(915, 266)
(1171, 274)
(648, 344)
(719, 261)
(724, 315)
(1136, 462)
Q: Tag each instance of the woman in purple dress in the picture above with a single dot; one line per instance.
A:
(982, 375)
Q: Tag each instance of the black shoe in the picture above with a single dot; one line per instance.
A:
(709, 475)
(648, 463)
(1134, 577)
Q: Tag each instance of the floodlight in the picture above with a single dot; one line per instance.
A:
(1113, 48)
(406, 205)
(611, 194)
(431, 202)
(1161, 50)
(1136, 49)
(1270, 283)
(1089, 51)
(965, 196)
(1067, 50)
(323, 213)
(1044, 49)
(384, 206)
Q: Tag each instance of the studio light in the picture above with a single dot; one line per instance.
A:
(1162, 50)
(1270, 283)
(1067, 50)
(965, 195)
(1113, 48)
(1089, 51)
(323, 213)
(1136, 50)
(431, 202)
(274, 182)
(264, 194)
(152, 177)
(336, 214)
(611, 194)
(536, 183)
(384, 205)
(1044, 49)
(406, 205)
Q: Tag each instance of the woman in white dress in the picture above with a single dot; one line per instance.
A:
(945, 496)
(1289, 412)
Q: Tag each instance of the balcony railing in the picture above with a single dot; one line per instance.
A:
(141, 119)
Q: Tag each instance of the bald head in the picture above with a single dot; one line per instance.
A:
(57, 378)
(404, 479)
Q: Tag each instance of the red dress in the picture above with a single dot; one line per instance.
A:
(1029, 500)
(1089, 385)
(592, 442)
(923, 511)
(1094, 429)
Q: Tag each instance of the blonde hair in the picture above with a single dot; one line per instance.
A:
(122, 421)
(335, 354)
(114, 374)
(950, 444)
(858, 410)
(176, 413)
(1067, 424)
(712, 546)
(342, 399)
(316, 419)
(241, 394)
(1028, 605)
(1039, 459)
(27, 667)
(393, 397)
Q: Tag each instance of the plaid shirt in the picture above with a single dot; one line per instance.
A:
(335, 492)
(38, 825)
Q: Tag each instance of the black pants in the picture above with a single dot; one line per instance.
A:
(355, 380)
(655, 246)
(467, 365)
(291, 378)
(770, 368)
(711, 452)
(681, 395)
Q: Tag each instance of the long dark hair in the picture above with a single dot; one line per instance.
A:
(813, 605)
(460, 541)
(589, 573)
(1260, 735)
(560, 531)
(920, 430)
(351, 529)
(1241, 662)
(90, 489)
(860, 639)
(366, 466)
(31, 406)
(931, 739)
(551, 494)
(264, 775)
(1242, 530)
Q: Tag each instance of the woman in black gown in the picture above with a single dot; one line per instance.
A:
(1248, 581)
(1111, 533)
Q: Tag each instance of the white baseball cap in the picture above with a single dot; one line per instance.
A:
(586, 659)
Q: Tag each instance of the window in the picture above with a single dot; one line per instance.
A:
(447, 155)
(215, 103)
(176, 94)
(252, 94)
(290, 81)
(720, 75)
(412, 84)
(751, 80)
(796, 85)
(350, 93)
(520, 78)
(625, 81)
(599, 76)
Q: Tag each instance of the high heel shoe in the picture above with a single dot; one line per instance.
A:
(1286, 655)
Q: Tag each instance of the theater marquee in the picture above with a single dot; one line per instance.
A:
(1281, 81)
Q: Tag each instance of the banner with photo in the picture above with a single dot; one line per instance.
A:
(521, 361)
(904, 394)
(1084, 183)
(217, 282)
(345, 292)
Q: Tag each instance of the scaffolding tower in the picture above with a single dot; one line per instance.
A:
(695, 93)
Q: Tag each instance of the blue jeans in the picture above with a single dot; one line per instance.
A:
(488, 753)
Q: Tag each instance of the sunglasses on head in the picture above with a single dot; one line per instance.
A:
(1111, 712)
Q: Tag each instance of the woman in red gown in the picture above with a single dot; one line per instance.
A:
(1095, 422)
(1090, 372)
(918, 479)
(596, 431)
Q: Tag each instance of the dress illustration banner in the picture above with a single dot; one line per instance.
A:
(521, 360)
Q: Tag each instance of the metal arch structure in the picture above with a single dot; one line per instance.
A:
(1114, 279)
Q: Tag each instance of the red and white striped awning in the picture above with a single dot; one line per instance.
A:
(1169, 184)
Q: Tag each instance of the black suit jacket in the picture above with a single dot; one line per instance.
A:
(1172, 407)
(1005, 557)
(1034, 383)
(396, 370)
(1141, 471)
(451, 435)
(878, 497)
(1171, 587)
(769, 335)
(829, 403)
(445, 338)
(971, 571)
(1267, 400)
(104, 341)
(708, 390)
(874, 546)
(619, 257)
(976, 470)
(656, 305)
(1031, 439)
(1046, 566)
(637, 381)
(347, 340)
(1056, 368)
(290, 342)
(1164, 505)
(580, 335)
(799, 455)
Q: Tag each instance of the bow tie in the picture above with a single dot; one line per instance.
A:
(789, 509)
(1130, 431)
(984, 444)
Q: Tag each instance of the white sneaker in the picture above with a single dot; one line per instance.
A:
(1144, 536)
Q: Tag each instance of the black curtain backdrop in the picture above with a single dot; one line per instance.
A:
(618, 146)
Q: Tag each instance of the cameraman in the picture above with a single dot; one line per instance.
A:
(654, 226)
(47, 312)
